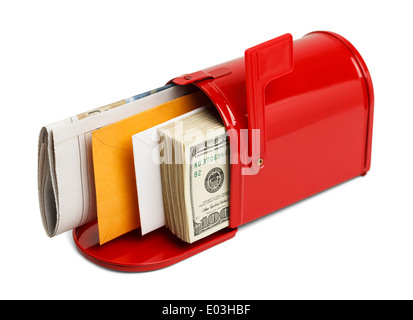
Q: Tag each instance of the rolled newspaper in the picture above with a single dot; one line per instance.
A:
(65, 167)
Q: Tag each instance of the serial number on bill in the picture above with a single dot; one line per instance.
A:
(210, 159)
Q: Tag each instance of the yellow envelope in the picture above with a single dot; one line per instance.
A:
(116, 192)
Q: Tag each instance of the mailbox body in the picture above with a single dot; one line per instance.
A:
(316, 120)
(312, 102)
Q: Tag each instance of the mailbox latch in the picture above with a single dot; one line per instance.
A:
(201, 75)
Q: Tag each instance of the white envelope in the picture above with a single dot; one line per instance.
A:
(148, 175)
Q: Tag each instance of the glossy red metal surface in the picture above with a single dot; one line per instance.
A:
(263, 64)
(133, 252)
(317, 120)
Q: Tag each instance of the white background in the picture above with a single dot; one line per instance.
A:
(58, 59)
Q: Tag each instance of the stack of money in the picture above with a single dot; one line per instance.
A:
(194, 155)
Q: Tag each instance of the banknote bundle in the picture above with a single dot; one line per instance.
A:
(194, 157)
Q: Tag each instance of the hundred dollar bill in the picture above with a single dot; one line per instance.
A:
(195, 175)
(208, 186)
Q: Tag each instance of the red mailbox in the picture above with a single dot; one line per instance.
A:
(299, 116)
